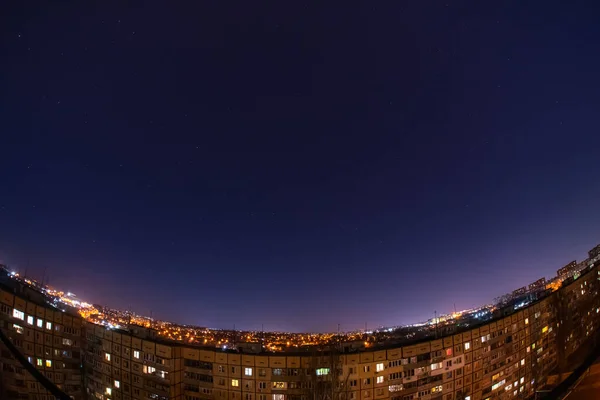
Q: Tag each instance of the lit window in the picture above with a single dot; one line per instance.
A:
(379, 367)
(395, 388)
(18, 328)
(279, 385)
(467, 345)
(18, 314)
(30, 320)
(149, 370)
(448, 352)
(136, 354)
(235, 383)
(545, 329)
(526, 321)
(117, 384)
(322, 371)
(40, 323)
(108, 391)
(48, 363)
(497, 385)
(67, 342)
(522, 361)
(279, 397)
(483, 339)
(248, 371)
(468, 398)
(107, 356)
(380, 379)
(49, 326)
(162, 374)
(436, 366)
(39, 362)
(521, 380)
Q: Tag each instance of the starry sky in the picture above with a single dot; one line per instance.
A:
(298, 165)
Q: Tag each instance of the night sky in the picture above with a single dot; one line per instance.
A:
(298, 165)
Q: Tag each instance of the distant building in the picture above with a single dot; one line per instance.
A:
(356, 345)
(537, 285)
(143, 332)
(249, 347)
(568, 270)
(583, 264)
(594, 253)
(519, 292)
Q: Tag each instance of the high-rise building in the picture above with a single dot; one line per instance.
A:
(508, 357)
(568, 270)
(537, 285)
(49, 339)
(594, 253)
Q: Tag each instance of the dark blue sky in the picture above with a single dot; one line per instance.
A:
(298, 165)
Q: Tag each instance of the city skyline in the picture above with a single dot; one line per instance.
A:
(514, 353)
(280, 165)
(86, 308)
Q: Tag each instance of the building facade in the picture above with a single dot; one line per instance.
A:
(507, 358)
(50, 340)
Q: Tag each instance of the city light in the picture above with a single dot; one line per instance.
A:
(282, 341)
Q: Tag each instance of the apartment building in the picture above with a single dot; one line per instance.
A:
(507, 358)
(119, 365)
(51, 341)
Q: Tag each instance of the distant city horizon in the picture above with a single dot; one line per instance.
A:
(567, 270)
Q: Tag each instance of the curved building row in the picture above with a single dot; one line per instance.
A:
(510, 357)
